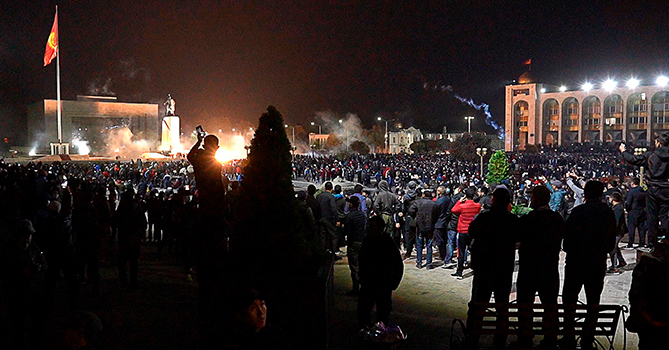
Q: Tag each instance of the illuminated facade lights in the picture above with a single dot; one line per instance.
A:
(602, 111)
(633, 83)
(609, 85)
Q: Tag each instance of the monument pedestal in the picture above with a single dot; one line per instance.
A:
(171, 133)
(60, 148)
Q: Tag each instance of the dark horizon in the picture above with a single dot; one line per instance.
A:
(224, 63)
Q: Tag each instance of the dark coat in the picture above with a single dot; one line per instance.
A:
(636, 199)
(656, 163)
(380, 263)
(540, 235)
(591, 234)
(494, 237)
(444, 203)
(425, 212)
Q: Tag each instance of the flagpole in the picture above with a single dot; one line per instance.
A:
(58, 110)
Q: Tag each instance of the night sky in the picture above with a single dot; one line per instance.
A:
(224, 62)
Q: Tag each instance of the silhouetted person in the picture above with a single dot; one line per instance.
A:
(617, 259)
(635, 204)
(590, 236)
(540, 235)
(649, 305)
(466, 209)
(657, 178)
(381, 271)
(330, 218)
(493, 254)
(211, 247)
(23, 269)
(355, 230)
(425, 213)
(131, 223)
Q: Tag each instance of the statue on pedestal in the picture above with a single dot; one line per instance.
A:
(170, 106)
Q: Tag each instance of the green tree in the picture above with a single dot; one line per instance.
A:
(360, 147)
(498, 168)
(333, 142)
(418, 147)
(266, 217)
(465, 147)
(376, 137)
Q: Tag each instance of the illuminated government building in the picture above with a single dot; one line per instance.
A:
(597, 112)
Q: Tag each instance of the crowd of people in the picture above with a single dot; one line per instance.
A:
(68, 218)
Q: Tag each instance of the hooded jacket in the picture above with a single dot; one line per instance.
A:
(386, 202)
(656, 163)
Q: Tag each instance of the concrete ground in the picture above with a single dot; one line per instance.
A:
(427, 301)
(162, 314)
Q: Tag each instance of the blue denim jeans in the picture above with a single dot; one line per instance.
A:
(422, 238)
(450, 245)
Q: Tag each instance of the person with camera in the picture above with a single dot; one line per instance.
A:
(211, 247)
(657, 178)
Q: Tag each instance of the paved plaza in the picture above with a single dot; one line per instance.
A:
(161, 315)
(427, 301)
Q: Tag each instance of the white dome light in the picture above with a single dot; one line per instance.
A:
(662, 81)
(633, 83)
(609, 85)
(563, 88)
(587, 87)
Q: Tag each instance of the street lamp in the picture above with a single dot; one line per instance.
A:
(293, 143)
(469, 123)
(319, 127)
(481, 152)
(637, 152)
(386, 138)
(341, 121)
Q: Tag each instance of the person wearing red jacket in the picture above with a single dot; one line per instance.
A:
(467, 209)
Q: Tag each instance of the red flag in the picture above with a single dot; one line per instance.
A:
(528, 62)
(52, 44)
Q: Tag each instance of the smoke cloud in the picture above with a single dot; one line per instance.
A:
(119, 142)
(347, 129)
(100, 87)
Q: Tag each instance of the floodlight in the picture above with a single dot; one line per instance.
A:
(662, 81)
(609, 84)
(587, 87)
(633, 83)
(563, 88)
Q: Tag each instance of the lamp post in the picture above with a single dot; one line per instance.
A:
(319, 133)
(293, 142)
(481, 152)
(639, 151)
(319, 127)
(341, 121)
(385, 136)
(469, 123)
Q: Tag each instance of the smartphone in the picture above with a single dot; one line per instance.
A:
(200, 131)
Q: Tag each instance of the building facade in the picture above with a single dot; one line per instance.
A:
(89, 118)
(400, 141)
(606, 112)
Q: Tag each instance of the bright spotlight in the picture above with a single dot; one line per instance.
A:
(563, 88)
(609, 85)
(662, 80)
(633, 83)
(543, 90)
(587, 87)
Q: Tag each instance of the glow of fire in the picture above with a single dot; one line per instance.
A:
(231, 148)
